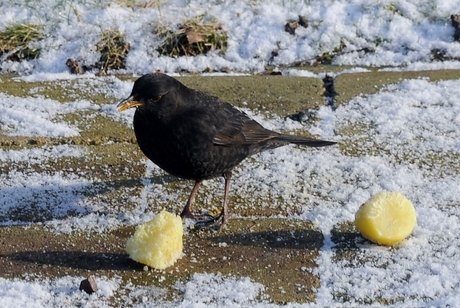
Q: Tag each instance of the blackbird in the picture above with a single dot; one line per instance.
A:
(193, 135)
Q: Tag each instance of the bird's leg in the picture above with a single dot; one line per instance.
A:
(222, 217)
(187, 211)
(223, 214)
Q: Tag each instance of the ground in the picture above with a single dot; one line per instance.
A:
(261, 243)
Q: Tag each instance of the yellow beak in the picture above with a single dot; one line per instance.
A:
(128, 103)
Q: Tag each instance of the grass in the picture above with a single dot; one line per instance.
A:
(113, 49)
(393, 8)
(198, 35)
(17, 42)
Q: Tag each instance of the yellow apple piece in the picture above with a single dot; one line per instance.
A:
(158, 242)
(386, 219)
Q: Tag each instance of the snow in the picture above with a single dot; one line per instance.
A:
(204, 290)
(33, 116)
(53, 293)
(413, 122)
(399, 33)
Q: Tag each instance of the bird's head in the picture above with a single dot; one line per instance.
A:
(148, 91)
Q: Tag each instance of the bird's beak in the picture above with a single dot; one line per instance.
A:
(128, 103)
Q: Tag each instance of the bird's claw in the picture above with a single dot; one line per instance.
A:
(211, 223)
(205, 221)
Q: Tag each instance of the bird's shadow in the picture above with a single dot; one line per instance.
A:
(297, 239)
(346, 238)
(282, 239)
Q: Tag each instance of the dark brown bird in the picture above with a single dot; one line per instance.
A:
(193, 135)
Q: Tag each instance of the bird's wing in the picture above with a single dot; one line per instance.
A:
(236, 128)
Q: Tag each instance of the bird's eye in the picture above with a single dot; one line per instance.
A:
(155, 99)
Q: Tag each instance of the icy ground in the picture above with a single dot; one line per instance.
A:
(404, 138)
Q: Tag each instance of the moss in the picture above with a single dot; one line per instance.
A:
(278, 95)
(245, 249)
(276, 252)
(349, 86)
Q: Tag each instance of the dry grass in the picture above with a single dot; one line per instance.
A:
(113, 49)
(150, 4)
(16, 42)
(195, 36)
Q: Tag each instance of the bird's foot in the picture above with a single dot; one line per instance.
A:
(210, 223)
(211, 220)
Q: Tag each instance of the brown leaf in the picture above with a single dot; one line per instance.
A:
(193, 36)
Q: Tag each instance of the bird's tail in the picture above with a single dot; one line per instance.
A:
(305, 141)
